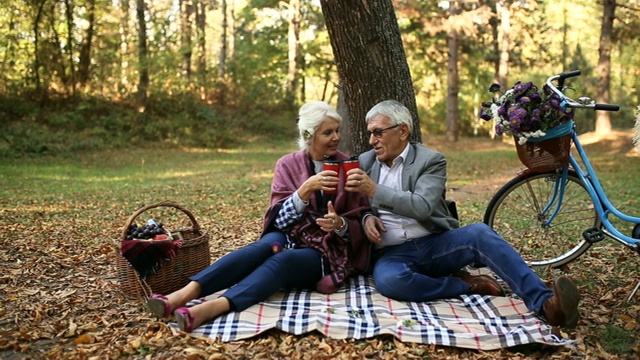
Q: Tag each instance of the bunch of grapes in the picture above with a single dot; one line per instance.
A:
(146, 231)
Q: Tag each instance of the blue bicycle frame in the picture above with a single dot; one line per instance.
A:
(604, 207)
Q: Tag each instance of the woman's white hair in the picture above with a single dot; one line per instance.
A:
(310, 116)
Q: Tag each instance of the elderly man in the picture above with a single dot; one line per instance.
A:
(419, 247)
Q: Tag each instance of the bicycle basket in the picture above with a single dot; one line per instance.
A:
(549, 152)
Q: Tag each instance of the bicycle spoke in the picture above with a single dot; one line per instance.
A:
(520, 210)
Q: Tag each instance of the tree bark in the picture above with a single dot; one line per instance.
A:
(124, 86)
(452, 131)
(71, 83)
(222, 59)
(201, 24)
(36, 43)
(294, 49)
(603, 120)
(186, 13)
(232, 29)
(371, 61)
(85, 50)
(346, 142)
(504, 35)
(143, 63)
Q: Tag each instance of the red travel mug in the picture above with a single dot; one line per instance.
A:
(347, 165)
(335, 166)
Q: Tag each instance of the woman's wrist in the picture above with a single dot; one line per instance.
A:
(342, 227)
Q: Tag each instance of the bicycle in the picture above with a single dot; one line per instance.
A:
(554, 214)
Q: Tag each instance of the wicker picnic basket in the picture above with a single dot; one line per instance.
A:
(192, 257)
(549, 152)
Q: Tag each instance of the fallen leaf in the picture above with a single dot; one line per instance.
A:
(83, 339)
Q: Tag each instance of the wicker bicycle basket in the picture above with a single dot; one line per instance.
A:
(191, 257)
(549, 152)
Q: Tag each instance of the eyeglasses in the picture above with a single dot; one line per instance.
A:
(377, 133)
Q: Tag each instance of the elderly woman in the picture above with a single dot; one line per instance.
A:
(311, 239)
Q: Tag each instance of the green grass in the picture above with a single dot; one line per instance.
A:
(617, 340)
(83, 200)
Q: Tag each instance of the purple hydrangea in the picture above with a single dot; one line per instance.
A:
(524, 109)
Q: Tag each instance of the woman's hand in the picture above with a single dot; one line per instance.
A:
(331, 221)
(326, 180)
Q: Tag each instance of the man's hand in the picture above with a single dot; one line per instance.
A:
(373, 226)
(359, 181)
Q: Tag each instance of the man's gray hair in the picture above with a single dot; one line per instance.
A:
(394, 110)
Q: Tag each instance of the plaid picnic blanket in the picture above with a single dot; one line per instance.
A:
(359, 311)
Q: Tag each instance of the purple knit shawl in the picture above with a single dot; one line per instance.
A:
(344, 257)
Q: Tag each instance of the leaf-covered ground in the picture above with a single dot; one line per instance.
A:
(60, 299)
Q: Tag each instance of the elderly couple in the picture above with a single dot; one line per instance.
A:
(389, 218)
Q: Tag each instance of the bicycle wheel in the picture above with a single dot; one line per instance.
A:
(517, 213)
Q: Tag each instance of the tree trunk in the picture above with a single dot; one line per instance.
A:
(371, 61)
(346, 142)
(222, 60)
(232, 30)
(123, 86)
(36, 43)
(294, 49)
(71, 83)
(85, 50)
(603, 121)
(565, 37)
(505, 30)
(186, 48)
(201, 24)
(143, 63)
(452, 79)
(494, 22)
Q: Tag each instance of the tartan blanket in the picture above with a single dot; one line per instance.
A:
(359, 311)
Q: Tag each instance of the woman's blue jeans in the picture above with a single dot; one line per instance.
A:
(419, 269)
(253, 273)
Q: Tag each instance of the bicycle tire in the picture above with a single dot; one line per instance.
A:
(514, 212)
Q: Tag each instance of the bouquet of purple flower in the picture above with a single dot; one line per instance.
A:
(523, 111)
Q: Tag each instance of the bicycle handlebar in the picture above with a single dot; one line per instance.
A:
(582, 103)
(607, 107)
(566, 75)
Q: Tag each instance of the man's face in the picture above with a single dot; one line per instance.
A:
(387, 140)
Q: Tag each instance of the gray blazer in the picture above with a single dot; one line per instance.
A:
(424, 178)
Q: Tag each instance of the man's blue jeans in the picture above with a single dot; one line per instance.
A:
(253, 273)
(419, 269)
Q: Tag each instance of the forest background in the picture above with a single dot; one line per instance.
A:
(93, 94)
(86, 75)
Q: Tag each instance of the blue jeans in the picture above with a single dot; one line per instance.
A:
(419, 269)
(253, 273)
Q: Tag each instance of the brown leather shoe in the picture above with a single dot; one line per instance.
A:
(481, 284)
(562, 308)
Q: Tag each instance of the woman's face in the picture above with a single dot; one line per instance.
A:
(325, 139)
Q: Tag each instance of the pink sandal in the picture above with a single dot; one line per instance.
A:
(184, 319)
(159, 306)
